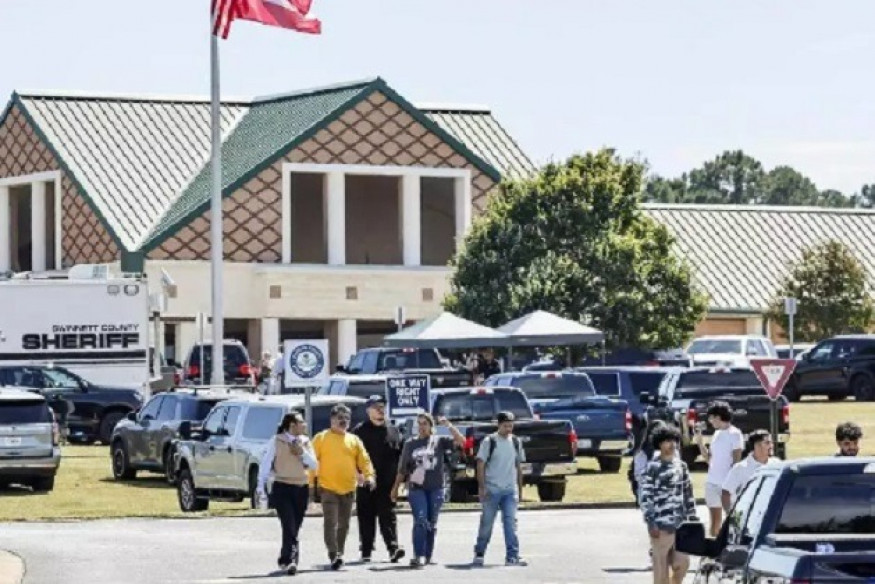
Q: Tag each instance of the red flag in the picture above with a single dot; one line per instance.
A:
(291, 14)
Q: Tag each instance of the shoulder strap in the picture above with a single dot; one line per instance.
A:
(491, 439)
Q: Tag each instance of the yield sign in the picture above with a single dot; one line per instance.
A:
(773, 374)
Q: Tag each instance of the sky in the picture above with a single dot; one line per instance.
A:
(673, 81)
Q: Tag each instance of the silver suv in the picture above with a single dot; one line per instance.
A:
(220, 461)
(29, 440)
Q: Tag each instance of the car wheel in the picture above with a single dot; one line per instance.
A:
(253, 487)
(551, 492)
(189, 502)
(107, 425)
(169, 470)
(121, 466)
(610, 464)
(791, 392)
(43, 484)
(863, 388)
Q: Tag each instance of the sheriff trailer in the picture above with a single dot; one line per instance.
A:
(96, 326)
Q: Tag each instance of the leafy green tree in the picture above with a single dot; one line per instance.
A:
(732, 177)
(830, 286)
(573, 241)
(784, 185)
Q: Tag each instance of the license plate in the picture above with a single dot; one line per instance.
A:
(13, 441)
(581, 444)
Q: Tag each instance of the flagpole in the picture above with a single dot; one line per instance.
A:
(216, 248)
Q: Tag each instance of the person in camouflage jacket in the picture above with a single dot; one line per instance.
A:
(667, 501)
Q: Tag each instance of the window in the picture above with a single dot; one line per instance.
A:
(846, 349)
(866, 349)
(233, 355)
(553, 385)
(168, 408)
(830, 504)
(408, 359)
(150, 410)
(738, 516)
(365, 389)
(760, 506)
(60, 379)
(463, 406)
(214, 420)
(261, 423)
(822, 352)
(196, 409)
(709, 346)
(24, 412)
(755, 348)
(370, 361)
(231, 420)
(356, 363)
(24, 377)
(644, 382)
(605, 383)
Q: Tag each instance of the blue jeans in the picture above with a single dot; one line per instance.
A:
(506, 501)
(426, 506)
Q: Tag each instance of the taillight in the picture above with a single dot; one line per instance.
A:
(652, 364)
(785, 415)
(56, 434)
(628, 421)
(193, 371)
(177, 379)
(692, 417)
(245, 370)
(469, 446)
(572, 438)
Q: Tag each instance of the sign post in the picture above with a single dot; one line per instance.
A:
(200, 323)
(400, 317)
(304, 363)
(773, 375)
(790, 311)
(408, 395)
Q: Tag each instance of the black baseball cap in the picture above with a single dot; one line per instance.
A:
(375, 400)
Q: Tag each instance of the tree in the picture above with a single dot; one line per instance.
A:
(734, 177)
(573, 241)
(830, 286)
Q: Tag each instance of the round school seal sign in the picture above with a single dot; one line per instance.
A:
(306, 361)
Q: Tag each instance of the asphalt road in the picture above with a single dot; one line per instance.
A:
(561, 547)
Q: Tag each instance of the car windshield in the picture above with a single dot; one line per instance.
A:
(706, 346)
(830, 504)
(24, 412)
(482, 407)
(553, 386)
(738, 382)
(605, 382)
(60, 378)
(233, 355)
(408, 359)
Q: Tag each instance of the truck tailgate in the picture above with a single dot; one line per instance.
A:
(749, 412)
(542, 441)
(592, 417)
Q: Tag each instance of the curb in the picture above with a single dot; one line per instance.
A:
(11, 568)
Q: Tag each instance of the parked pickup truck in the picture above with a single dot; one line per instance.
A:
(603, 424)
(384, 360)
(685, 394)
(549, 446)
(806, 521)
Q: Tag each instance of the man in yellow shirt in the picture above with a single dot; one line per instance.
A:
(342, 457)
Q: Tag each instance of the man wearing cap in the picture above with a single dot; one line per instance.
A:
(383, 444)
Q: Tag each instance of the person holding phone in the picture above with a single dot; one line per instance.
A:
(341, 456)
(422, 468)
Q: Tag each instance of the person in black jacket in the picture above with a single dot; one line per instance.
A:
(383, 443)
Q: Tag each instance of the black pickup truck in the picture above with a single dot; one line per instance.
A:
(806, 521)
(549, 446)
(387, 361)
(685, 394)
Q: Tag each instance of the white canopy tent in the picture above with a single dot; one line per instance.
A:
(446, 331)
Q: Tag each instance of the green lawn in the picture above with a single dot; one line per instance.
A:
(85, 488)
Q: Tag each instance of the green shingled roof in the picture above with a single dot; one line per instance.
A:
(143, 161)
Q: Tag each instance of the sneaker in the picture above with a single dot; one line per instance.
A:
(337, 563)
(430, 561)
(292, 569)
(366, 558)
(416, 563)
(478, 560)
(516, 562)
(397, 554)
(283, 567)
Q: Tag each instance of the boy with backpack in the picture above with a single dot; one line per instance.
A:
(500, 485)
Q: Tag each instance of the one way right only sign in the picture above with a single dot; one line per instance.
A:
(773, 374)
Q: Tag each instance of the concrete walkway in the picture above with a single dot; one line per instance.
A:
(11, 568)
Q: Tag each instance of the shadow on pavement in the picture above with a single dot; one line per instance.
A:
(275, 574)
(625, 570)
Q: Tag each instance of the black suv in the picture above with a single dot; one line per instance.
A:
(238, 367)
(89, 412)
(837, 368)
(143, 440)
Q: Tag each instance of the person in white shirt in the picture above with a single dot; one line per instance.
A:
(760, 446)
(726, 448)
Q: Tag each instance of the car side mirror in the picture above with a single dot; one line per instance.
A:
(340, 369)
(132, 416)
(185, 430)
(690, 539)
(735, 556)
